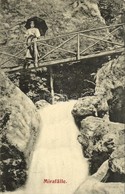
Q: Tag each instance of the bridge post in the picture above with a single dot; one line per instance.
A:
(78, 46)
(35, 54)
(51, 84)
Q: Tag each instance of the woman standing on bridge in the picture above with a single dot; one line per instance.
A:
(36, 27)
(32, 35)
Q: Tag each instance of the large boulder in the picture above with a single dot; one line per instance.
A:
(93, 186)
(19, 128)
(109, 178)
(89, 106)
(94, 183)
(41, 104)
(117, 164)
(99, 138)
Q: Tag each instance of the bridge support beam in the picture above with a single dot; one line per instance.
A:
(78, 47)
(51, 84)
(35, 54)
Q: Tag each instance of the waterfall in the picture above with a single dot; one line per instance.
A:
(57, 156)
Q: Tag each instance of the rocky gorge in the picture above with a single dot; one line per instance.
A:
(99, 84)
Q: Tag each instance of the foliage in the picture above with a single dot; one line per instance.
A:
(12, 167)
(34, 84)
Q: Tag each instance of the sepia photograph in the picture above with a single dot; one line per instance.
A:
(62, 97)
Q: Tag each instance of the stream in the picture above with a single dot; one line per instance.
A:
(58, 165)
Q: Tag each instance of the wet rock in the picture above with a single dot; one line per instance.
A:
(103, 140)
(99, 138)
(117, 164)
(94, 185)
(89, 106)
(60, 97)
(19, 128)
(41, 103)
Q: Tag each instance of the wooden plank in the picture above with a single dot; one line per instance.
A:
(69, 60)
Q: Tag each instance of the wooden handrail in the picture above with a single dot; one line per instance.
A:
(45, 44)
(81, 31)
(98, 41)
(78, 44)
(12, 57)
(74, 34)
(70, 33)
(58, 47)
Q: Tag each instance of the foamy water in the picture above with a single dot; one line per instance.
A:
(57, 154)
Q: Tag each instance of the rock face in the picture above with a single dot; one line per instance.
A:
(117, 105)
(109, 94)
(19, 127)
(110, 83)
(100, 138)
(101, 119)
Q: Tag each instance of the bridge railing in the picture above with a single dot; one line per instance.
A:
(72, 44)
(69, 40)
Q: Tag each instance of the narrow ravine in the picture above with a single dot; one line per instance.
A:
(57, 154)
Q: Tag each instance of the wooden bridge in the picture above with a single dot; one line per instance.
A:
(71, 48)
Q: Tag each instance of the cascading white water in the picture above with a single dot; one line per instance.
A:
(57, 155)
